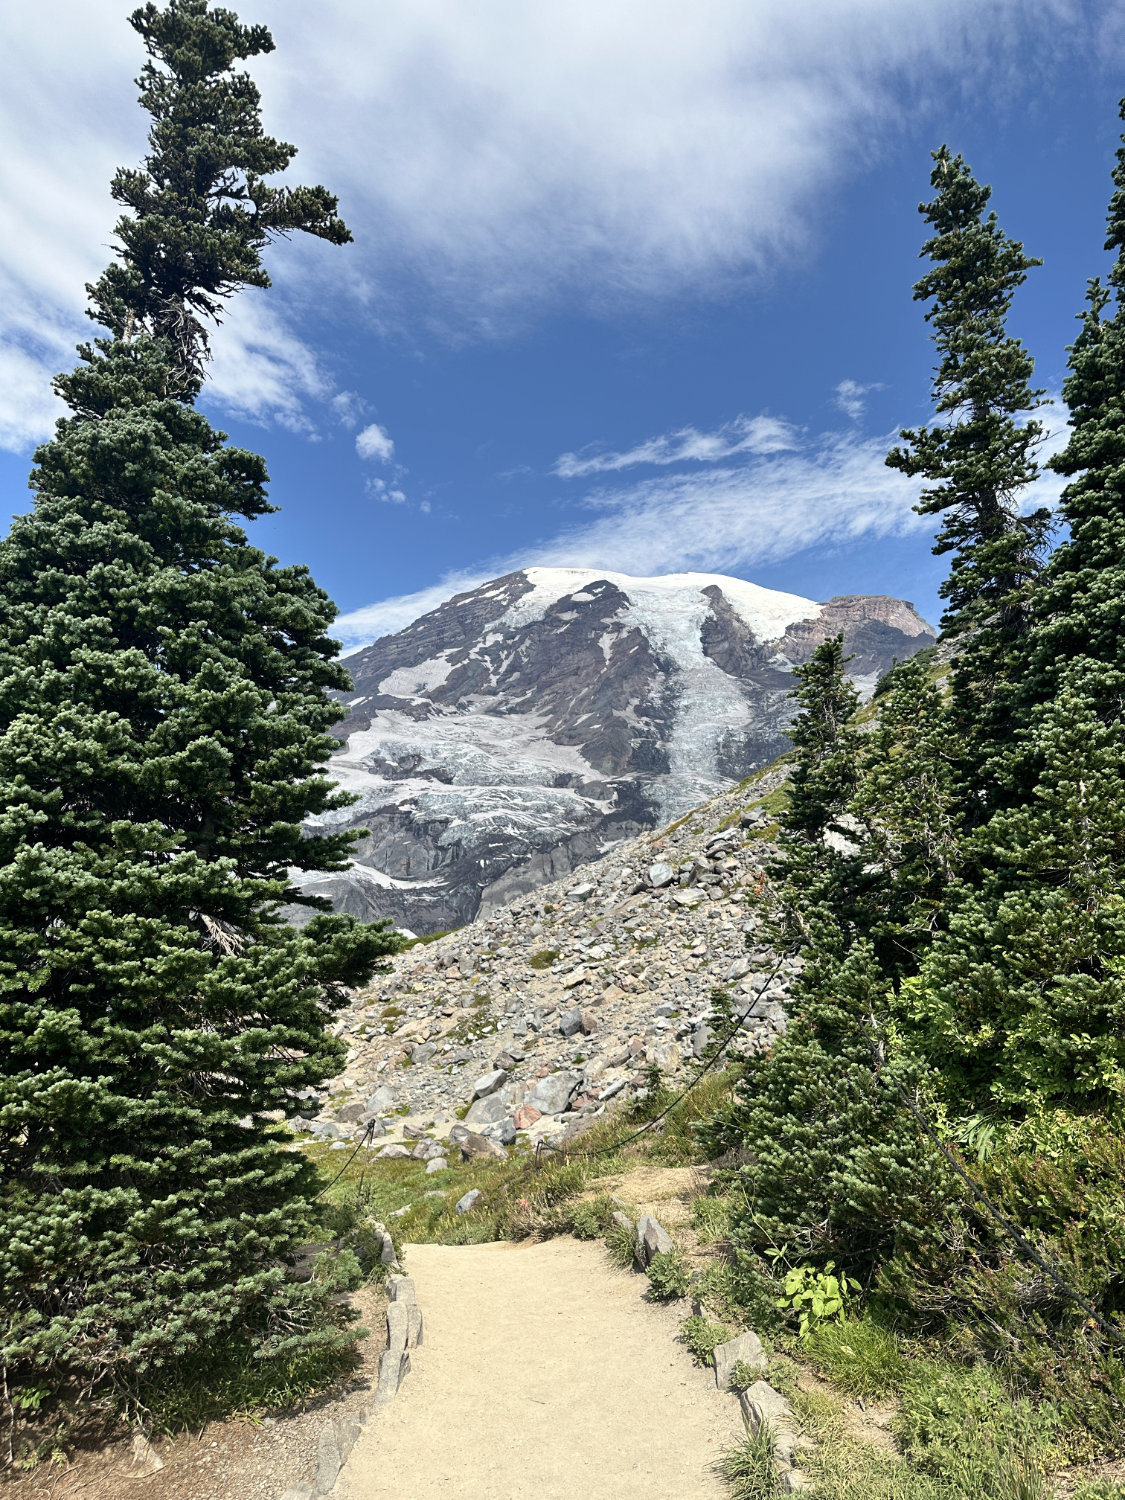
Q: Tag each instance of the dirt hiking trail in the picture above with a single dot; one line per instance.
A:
(543, 1376)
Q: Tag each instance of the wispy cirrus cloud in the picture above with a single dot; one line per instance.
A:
(820, 491)
(850, 397)
(492, 163)
(761, 434)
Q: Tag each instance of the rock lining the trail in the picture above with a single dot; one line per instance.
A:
(338, 1437)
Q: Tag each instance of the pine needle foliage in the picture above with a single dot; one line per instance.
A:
(164, 717)
(980, 458)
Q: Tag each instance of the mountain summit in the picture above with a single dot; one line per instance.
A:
(521, 729)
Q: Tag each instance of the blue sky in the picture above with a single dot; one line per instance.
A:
(631, 285)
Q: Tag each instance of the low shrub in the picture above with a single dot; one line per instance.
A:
(700, 1336)
(668, 1276)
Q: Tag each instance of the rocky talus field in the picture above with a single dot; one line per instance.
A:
(520, 1027)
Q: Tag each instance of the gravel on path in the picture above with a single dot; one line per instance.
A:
(544, 1376)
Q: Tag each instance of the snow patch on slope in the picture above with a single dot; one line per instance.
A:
(767, 612)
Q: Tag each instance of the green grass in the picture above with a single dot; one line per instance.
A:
(430, 937)
(544, 959)
(748, 1468)
(710, 1218)
(860, 1357)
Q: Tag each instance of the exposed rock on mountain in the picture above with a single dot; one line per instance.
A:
(522, 729)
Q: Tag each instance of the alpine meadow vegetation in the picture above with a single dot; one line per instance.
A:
(164, 718)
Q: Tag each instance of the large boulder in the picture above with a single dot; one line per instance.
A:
(488, 1083)
(486, 1111)
(552, 1094)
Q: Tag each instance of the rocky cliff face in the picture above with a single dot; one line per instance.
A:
(529, 726)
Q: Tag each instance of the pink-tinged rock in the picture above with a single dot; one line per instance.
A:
(588, 1023)
(525, 1117)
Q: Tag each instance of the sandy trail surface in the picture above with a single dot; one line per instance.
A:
(544, 1375)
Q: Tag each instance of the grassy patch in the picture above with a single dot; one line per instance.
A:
(748, 1468)
(544, 959)
(860, 1357)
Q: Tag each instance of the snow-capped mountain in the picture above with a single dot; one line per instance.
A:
(523, 728)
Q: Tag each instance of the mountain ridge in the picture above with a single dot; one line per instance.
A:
(524, 727)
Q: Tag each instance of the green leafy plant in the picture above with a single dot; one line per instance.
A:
(701, 1337)
(743, 1376)
(816, 1295)
(668, 1276)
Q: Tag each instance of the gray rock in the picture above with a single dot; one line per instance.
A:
(349, 1113)
(761, 1404)
(398, 1324)
(581, 892)
(414, 1335)
(652, 1239)
(327, 1130)
(382, 1099)
(479, 1148)
(621, 1218)
(747, 1347)
(688, 896)
(329, 1460)
(486, 1111)
(468, 1202)
(488, 1083)
(347, 1430)
(504, 1131)
(571, 1021)
(421, 1052)
(387, 1255)
(401, 1289)
(659, 875)
(552, 1094)
(436, 1164)
(393, 1365)
(611, 1090)
(739, 969)
(395, 1152)
(421, 1151)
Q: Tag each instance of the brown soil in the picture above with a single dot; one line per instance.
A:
(238, 1459)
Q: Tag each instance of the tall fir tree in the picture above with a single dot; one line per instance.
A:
(164, 717)
(1025, 998)
(980, 458)
(836, 1166)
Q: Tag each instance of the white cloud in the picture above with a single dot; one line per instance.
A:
(850, 395)
(834, 490)
(491, 158)
(349, 407)
(359, 627)
(374, 442)
(384, 491)
(759, 434)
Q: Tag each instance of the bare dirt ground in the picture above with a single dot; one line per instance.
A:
(237, 1459)
(544, 1375)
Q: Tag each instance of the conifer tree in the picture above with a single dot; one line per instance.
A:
(981, 457)
(1025, 997)
(836, 1164)
(163, 730)
(817, 852)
